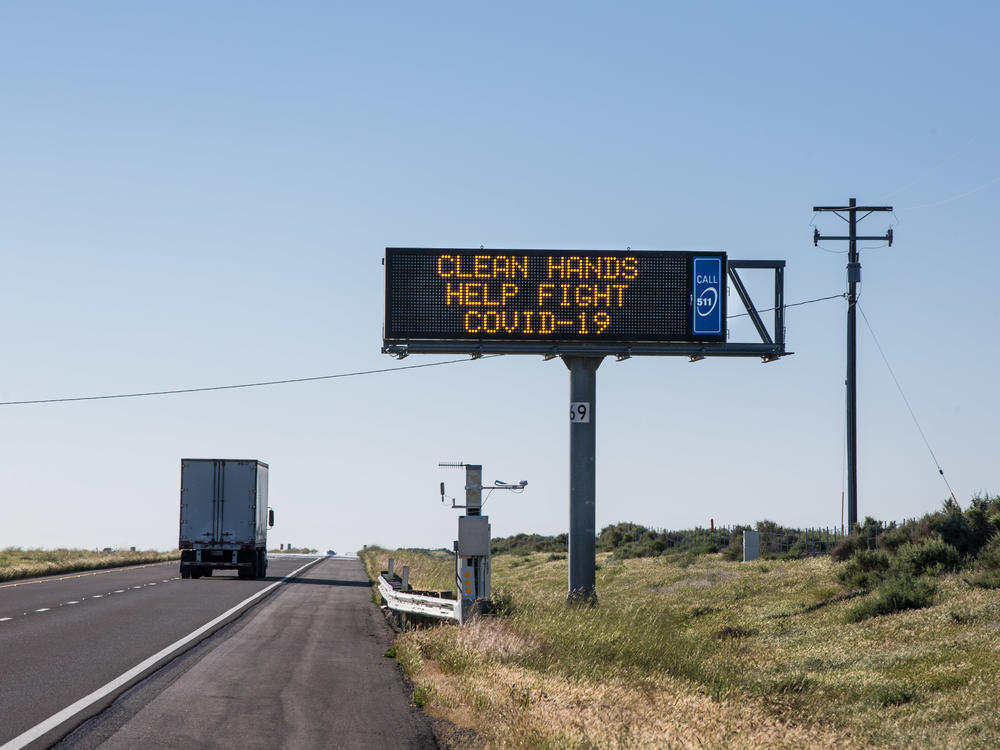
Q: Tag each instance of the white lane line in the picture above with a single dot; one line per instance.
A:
(43, 609)
(118, 591)
(137, 587)
(72, 602)
(6, 619)
(26, 738)
(50, 579)
(97, 596)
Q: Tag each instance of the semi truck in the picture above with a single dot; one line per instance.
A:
(224, 517)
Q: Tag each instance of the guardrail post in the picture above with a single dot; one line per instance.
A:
(390, 567)
(406, 576)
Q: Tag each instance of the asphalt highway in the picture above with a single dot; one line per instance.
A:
(303, 667)
(64, 637)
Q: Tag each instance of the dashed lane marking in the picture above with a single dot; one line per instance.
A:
(84, 598)
(84, 575)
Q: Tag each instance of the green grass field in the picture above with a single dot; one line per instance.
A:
(18, 563)
(698, 651)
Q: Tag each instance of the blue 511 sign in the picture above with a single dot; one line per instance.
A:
(707, 276)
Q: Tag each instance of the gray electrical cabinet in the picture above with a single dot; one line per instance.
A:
(473, 536)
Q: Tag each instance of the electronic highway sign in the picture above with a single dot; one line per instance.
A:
(550, 296)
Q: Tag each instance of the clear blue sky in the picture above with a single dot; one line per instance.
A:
(199, 194)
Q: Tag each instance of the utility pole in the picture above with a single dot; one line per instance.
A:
(853, 279)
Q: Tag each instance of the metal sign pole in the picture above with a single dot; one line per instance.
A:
(582, 478)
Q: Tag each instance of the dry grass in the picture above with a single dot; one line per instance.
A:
(701, 652)
(18, 563)
(430, 570)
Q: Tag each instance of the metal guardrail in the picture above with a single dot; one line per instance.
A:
(419, 604)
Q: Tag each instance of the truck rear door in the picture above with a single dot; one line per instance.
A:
(238, 507)
(198, 511)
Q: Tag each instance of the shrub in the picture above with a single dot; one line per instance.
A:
(954, 528)
(734, 551)
(980, 526)
(705, 548)
(616, 535)
(984, 579)
(994, 518)
(898, 593)
(934, 556)
(525, 544)
(866, 535)
(986, 570)
(865, 570)
(847, 546)
(895, 538)
(989, 555)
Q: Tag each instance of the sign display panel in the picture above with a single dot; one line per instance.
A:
(554, 295)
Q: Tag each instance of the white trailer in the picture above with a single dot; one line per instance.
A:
(224, 517)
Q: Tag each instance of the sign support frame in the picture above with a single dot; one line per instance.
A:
(583, 358)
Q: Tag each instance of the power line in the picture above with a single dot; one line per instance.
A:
(946, 161)
(907, 402)
(175, 391)
(205, 389)
(966, 194)
(793, 304)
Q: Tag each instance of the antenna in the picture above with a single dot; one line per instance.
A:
(474, 486)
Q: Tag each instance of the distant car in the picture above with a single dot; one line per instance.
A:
(330, 552)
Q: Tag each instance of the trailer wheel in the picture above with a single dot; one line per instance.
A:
(196, 573)
(208, 571)
(185, 574)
